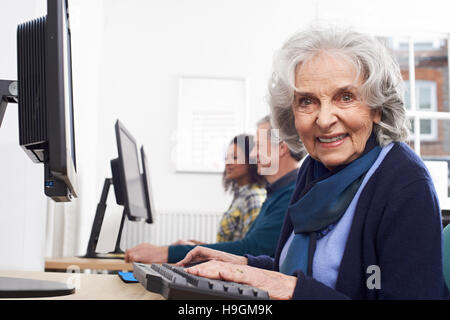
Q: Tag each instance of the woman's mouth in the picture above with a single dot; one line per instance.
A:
(332, 141)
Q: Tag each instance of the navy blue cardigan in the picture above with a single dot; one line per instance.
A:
(397, 227)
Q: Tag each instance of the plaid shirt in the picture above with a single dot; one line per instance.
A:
(242, 212)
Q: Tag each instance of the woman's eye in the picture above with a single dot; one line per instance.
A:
(305, 101)
(306, 104)
(346, 97)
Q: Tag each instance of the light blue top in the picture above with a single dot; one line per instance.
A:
(330, 248)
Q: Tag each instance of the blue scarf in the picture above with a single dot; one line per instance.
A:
(322, 202)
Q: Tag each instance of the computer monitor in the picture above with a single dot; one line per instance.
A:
(129, 186)
(44, 96)
(147, 186)
(46, 119)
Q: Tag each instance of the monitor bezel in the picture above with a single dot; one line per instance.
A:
(59, 94)
(147, 186)
(141, 212)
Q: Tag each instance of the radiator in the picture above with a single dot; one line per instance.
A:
(168, 227)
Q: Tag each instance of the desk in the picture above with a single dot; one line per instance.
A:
(90, 286)
(87, 263)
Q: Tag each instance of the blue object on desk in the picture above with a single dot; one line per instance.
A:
(127, 277)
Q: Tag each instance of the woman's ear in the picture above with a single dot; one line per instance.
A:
(377, 116)
(283, 148)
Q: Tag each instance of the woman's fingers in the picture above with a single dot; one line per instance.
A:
(196, 254)
(234, 275)
(200, 253)
(278, 285)
(221, 271)
(208, 270)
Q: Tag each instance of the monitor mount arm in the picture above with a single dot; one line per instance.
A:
(8, 94)
(97, 224)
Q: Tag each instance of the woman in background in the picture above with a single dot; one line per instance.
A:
(241, 178)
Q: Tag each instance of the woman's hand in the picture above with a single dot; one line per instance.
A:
(278, 285)
(202, 253)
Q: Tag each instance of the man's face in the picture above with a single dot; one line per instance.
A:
(265, 152)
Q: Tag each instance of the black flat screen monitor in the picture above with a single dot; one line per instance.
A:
(147, 186)
(130, 189)
(46, 115)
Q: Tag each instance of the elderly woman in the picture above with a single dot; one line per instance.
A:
(364, 220)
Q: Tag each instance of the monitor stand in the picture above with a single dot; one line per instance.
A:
(30, 288)
(96, 227)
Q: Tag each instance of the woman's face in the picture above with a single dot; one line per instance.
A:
(235, 167)
(331, 118)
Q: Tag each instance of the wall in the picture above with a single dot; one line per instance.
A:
(22, 200)
(87, 24)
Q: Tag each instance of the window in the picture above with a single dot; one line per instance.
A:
(425, 101)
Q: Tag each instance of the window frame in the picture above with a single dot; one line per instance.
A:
(433, 135)
(414, 113)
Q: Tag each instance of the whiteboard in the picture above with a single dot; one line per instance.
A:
(211, 111)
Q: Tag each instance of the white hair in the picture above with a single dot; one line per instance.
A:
(382, 88)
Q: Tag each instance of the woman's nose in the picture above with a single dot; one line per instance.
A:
(326, 117)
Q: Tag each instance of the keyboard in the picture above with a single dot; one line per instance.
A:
(174, 283)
